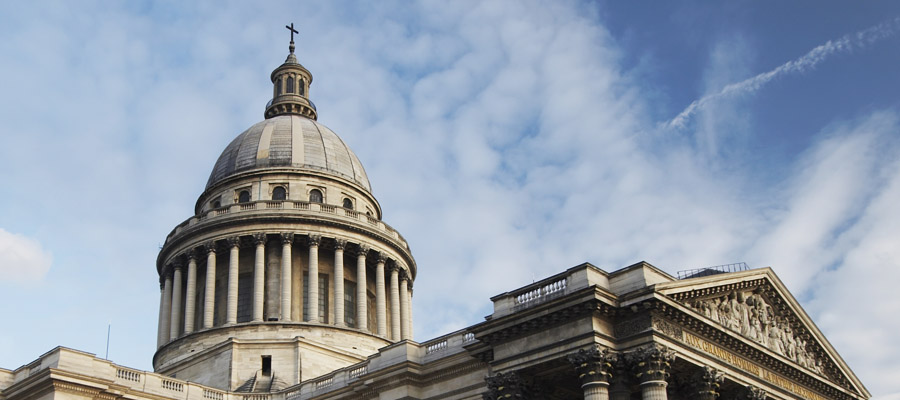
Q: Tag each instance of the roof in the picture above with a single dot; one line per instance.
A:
(289, 141)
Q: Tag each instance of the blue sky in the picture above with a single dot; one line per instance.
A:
(507, 141)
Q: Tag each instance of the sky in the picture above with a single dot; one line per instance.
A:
(506, 140)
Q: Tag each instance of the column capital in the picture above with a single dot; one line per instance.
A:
(314, 240)
(707, 382)
(508, 385)
(382, 257)
(259, 238)
(234, 241)
(190, 254)
(404, 276)
(362, 250)
(340, 244)
(755, 393)
(210, 246)
(593, 365)
(287, 238)
(651, 363)
(177, 265)
(395, 267)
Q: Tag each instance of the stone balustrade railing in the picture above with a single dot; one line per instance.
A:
(171, 388)
(542, 291)
(290, 206)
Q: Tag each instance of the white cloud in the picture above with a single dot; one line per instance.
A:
(22, 259)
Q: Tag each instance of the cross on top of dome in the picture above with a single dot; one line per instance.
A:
(291, 87)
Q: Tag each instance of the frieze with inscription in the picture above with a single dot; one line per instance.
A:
(749, 313)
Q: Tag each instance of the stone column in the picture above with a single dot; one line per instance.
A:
(594, 367)
(707, 383)
(166, 308)
(287, 240)
(339, 245)
(395, 303)
(619, 387)
(175, 320)
(259, 277)
(362, 315)
(380, 303)
(312, 282)
(410, 309)
(404, 307)
(651, 368)
(190, 299)
(234, 243)
(209, 306)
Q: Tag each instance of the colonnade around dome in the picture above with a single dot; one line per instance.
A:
(265, 277)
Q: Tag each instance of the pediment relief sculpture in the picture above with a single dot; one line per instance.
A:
(751, 314)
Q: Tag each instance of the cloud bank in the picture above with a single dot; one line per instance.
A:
(22, 259)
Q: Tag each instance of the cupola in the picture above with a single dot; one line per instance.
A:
(290, 92)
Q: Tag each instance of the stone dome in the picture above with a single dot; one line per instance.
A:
(289, 141)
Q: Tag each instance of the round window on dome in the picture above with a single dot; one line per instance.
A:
(315, 196)
(348, 203)
(244, 196)
(279, 193)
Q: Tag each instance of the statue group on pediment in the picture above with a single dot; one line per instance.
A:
(748, 313)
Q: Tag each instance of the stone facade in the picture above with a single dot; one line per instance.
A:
(286, 284)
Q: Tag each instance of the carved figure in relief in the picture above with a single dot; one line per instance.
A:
(749, 314)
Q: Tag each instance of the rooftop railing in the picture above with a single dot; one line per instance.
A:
(715, 270)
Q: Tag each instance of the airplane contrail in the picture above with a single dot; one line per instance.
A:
(815, 56)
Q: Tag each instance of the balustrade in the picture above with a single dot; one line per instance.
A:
(128, 375)
(172, 385)
(213, 395)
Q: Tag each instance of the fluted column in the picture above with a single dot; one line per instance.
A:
(619, 387)
(312, 282)
(361, 309)
(209, 305)
(707, 383)
(287, 240)
(339, 245)
(395, 303)
(175, 320)
(380, 306)
(190, 299)
(231, 301)
(651, 368)
(594, 368)
(410, 310)
(404, 307)
(259, 276)
(166, 307)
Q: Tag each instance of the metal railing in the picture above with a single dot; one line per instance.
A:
(715, 270)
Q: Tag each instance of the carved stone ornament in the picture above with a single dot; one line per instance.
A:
(750, 314)
(593, 365)
(260, 238)
(234, 241)
(382, 258)
(287, 238)
(210, 246)
(339, 244)
(707, 383)
(755, 393)
(507, 386)
(314, 240)
(651, 363)
(362, 250)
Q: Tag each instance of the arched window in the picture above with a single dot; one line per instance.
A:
(216, 204)
(279, 193)
(278, 87)
(302, 88)
(244, 196)
(290, 85)
(348, 203)
(315, 196)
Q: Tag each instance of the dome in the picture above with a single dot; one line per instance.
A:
(289, 141)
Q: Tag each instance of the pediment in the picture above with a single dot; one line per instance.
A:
(756, 306)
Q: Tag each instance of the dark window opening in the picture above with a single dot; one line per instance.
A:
(290, 85)
(216, 203)
(348, 203)
(279, 193)
(302, 88)
(278, 87)
(350, 303)
(315, 196)
(244, 196)
(267, 365)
